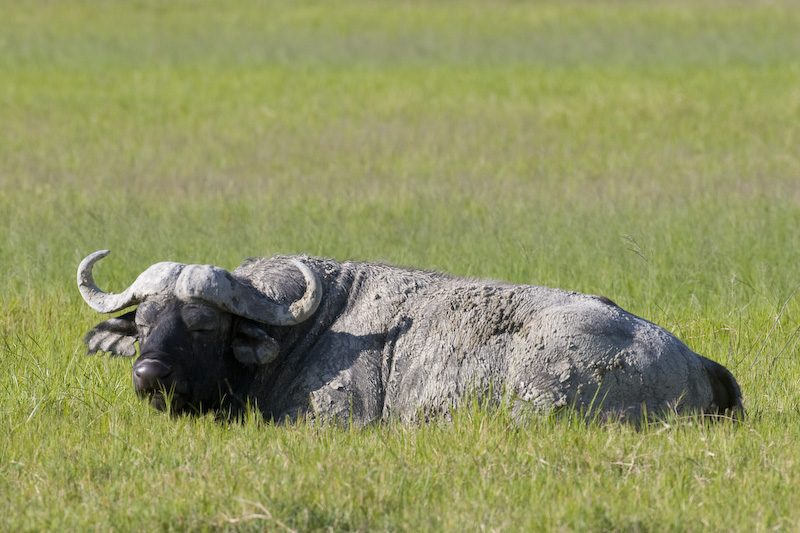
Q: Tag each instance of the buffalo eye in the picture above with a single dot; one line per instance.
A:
(146, 315)
(200, 320)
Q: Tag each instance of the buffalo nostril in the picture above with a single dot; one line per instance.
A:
(147, 374)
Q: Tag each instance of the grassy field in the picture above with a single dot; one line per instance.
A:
(647, 151)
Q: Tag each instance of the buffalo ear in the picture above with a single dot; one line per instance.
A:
(116, 335)
(252, 345)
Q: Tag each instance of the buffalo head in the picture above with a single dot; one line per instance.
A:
(200, 329)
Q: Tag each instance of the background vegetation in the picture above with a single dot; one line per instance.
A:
(647, 151)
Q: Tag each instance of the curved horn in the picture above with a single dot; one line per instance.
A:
(218, 287)
(158, 279)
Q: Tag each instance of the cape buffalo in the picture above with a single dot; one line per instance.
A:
(304, 336)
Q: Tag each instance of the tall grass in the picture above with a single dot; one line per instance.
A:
(645, 151)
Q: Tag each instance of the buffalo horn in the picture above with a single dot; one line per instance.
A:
(220, 289)
(207, 283)
(158, 279)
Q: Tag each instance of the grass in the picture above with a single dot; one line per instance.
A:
(645, 151)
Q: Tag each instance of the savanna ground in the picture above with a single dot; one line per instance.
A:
(647, 151)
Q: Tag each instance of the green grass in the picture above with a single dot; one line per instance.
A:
(642, 150)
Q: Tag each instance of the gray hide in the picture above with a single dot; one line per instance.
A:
(387, 342)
